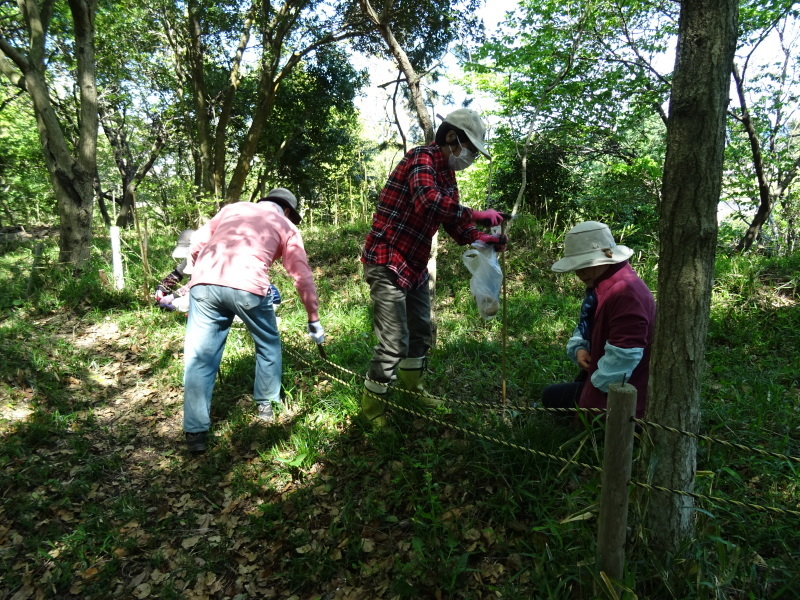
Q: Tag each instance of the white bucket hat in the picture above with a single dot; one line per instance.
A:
(184, 242)
(469, 122)
(589, 244)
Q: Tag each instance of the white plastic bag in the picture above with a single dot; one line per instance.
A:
(487, 278)
(181, 303)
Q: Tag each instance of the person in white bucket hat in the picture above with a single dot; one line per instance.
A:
(420, 195)
(169, 294)
(612, 340)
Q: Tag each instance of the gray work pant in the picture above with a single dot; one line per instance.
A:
(401, 320)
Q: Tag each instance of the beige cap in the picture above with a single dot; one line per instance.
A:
(469, 122)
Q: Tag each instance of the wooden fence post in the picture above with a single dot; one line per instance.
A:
(617, 454)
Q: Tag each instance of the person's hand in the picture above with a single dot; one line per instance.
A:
(161, 291)
(583, 358)
(500, 242)
(166, 302)
(315, 332)
(489, 217)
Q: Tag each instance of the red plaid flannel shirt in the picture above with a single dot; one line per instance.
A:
(421, 194)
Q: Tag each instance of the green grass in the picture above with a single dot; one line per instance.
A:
(100, 499)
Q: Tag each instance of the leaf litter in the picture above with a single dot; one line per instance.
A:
(114, 507)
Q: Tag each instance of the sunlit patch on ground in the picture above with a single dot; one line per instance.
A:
(15, 406)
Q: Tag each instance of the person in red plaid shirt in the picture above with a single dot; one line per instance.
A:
(420, 195)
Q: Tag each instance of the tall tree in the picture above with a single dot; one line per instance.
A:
(581, 78)
(413, 79)
(24, 47)
(137, 101)
(427, 28)
(688, 235)
(221, 48)
(765, 114)
(312, 131)
(415, 35)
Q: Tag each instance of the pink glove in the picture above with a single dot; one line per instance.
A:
(500, 242)
(489, 217)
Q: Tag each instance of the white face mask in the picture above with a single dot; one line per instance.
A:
(464, 159)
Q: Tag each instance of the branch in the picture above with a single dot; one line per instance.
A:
(755, 145)
(787, 179)
(9, 53)
(16, 94)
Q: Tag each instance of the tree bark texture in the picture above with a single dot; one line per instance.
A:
(204, 136)
(688, 235)
(73, 170)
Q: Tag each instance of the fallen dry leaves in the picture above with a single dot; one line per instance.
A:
(123, 511)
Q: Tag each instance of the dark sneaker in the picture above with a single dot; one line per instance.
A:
(196, 442)
(265, 412)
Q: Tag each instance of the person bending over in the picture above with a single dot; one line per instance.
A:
(232, 255)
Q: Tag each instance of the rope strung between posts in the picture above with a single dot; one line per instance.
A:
(522, 408)
(711, 440)
(478, 434)
(565, 461)
(473, 403)
(716, 499)
(443, 423)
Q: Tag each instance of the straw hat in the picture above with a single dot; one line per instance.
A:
(589, 244)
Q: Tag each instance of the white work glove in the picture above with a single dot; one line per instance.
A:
(315, 332)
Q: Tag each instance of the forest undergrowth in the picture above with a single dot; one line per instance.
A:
(101, 500)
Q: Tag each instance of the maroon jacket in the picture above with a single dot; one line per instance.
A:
(625, 318)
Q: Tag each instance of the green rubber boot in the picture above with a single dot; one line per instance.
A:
(372, 406)
(409, 373)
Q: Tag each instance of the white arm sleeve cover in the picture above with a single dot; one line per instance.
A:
(615, 364)
(575, 343)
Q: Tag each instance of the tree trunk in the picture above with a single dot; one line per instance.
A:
(405, 66)
(425, 122)
(765, 199)
(268, 87)
(202, 119)
(688, 234)
(72, 174)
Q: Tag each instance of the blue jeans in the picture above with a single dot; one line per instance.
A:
(211, 312)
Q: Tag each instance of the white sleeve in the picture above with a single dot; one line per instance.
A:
(615, 364)
(575, 343)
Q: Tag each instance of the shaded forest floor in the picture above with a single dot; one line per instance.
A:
(105, 501)
(101, 500)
